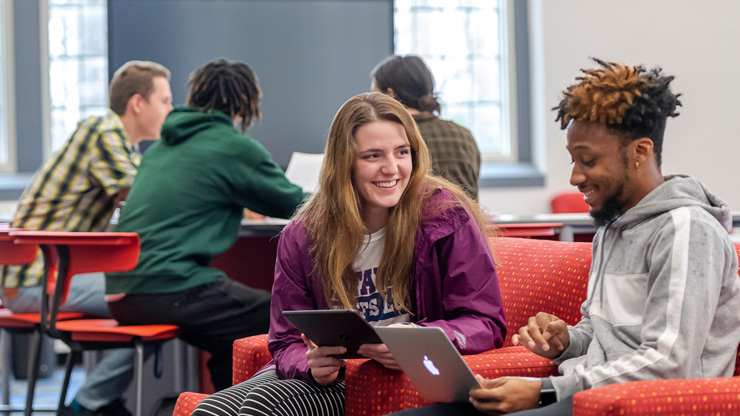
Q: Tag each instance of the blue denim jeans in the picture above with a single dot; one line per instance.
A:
(112, 375)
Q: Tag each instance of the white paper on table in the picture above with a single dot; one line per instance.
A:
(303, 170)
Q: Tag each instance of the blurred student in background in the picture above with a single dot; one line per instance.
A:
(77, 189)
(187, 204)
(453, 149)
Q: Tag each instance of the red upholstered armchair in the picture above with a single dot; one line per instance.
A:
(534, 275)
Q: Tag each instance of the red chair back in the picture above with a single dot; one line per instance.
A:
(569, 202)
(11, 253)
(90, 252)
(525, 269)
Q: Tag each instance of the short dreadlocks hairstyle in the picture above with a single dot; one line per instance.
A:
(229, 87)
(631, 101)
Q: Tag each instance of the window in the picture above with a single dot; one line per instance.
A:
(478, 53)
(7, 94)
(78, 64)
(463, 42)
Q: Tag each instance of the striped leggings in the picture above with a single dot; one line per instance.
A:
(265, 395)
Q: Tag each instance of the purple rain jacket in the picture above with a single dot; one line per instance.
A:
(453, 286)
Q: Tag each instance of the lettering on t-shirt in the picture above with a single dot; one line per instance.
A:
(369, 302)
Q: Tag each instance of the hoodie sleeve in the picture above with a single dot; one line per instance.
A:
(263, 186)
(473, 313)
(292, 290)
(687, 262)
(583, 332)
(580, 337)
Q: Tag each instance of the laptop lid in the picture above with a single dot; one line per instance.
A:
(431, 362)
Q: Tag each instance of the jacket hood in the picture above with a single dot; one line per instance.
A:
(185, 122)
(677, 191)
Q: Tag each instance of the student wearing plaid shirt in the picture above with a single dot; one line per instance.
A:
(77, 189)
(454, 151)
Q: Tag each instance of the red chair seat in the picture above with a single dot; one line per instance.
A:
(30, 320)
(72, 253)
(109, 330)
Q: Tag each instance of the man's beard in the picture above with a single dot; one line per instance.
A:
(611, 208)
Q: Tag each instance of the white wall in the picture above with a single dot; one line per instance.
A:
(698, 42)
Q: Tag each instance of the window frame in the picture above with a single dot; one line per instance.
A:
(524, 172)
(520, 168)
(7, 77)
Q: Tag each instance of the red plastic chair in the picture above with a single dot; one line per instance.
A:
(569, 202)
(86, 252)
(22, 323)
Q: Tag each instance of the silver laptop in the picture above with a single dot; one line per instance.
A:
(431, 362)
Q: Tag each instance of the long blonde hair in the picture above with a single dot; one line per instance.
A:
(332, 215)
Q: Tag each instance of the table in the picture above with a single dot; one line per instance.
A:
(570, 224)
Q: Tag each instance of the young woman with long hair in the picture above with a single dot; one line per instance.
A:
(384, 237)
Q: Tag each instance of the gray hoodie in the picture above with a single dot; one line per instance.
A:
(663, 294)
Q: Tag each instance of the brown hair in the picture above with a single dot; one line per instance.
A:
(332, 215)
(410, 79)
(629, 100)
(133, 77)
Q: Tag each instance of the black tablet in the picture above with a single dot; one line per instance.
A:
(335, 327)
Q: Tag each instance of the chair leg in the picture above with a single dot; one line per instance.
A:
(5, 349)
(138, 376)
(68, 366)
(33, 370)
(178, 346)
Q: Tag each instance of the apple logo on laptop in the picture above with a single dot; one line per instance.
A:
(430, 366)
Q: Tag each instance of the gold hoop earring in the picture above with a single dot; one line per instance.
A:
(637, 165)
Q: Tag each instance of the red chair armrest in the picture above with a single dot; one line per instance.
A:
(710, 396)
(250, 355)
(371, 389)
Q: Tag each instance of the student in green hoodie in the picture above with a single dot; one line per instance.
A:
(186, 205)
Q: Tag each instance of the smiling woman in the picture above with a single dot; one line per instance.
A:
(381, 230)
(382, 170)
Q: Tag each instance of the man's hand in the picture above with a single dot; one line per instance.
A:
(323, 362)
(381, 354)
(545, 335)
(251, 215)
(506, 395)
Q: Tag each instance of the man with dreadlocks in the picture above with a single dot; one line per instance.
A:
(186, 205)
(664, 292)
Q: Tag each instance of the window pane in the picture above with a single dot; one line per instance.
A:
(78, 64)
(460, 41)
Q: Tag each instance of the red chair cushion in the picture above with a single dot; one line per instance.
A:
(393, 391)
(186, 403)
(108, 330)
(30, 320)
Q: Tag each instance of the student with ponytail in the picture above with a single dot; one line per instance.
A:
(452, 148)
